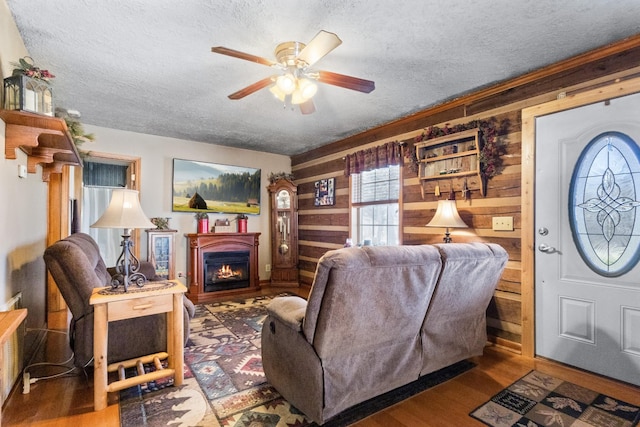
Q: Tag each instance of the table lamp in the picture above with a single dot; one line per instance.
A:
(447, 217)
(124, 211)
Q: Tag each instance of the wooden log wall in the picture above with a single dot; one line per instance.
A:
(325, 228)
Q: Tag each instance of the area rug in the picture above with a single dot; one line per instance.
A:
(538, 399)
(224, 383)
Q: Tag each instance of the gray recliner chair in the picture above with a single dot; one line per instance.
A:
(77, 267)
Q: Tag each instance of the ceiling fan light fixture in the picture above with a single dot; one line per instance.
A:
(305, 91)
(307, 88)
(286, 83)
(277, 92)
(296, 97)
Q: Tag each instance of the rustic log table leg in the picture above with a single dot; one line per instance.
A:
(175, 341)
(100, 341)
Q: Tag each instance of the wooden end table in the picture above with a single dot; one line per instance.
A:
(152, 298)
(9, 322)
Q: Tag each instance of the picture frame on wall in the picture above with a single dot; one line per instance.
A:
(212, 187)
(325, 192)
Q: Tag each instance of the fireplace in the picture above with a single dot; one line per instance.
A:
(221, 264)
(226, 270)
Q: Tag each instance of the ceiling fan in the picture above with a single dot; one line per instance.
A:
(296, 83)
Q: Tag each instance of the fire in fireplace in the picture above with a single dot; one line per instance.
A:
(226, 270)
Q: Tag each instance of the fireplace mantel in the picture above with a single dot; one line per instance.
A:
(201, 243)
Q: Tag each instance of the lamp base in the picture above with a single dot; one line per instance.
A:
(447, 237)
(127, 267)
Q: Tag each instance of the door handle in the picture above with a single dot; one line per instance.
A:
(546, 249)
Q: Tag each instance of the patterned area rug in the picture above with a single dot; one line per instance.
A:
(224, 382)
(538, 399)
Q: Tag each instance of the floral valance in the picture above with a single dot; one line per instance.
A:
(373, 158)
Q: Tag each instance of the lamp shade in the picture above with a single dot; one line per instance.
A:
(447, 216)
(124, 211)
(277, 92)
(307, 88)
(286, 83)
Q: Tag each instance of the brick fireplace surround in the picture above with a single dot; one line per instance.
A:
(202, 243)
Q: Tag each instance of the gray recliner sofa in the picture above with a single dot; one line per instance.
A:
(77, 267)
(378, 318)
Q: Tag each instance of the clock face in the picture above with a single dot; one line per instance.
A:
(283, 199)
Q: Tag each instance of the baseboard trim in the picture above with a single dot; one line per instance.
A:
(511, 346)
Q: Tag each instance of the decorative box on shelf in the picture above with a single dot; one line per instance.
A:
(223, 226)
(26, 93)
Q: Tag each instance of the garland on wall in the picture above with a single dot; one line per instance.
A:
(492, 147)
(277, 176)
(77, 132)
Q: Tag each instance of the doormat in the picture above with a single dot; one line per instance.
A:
(539, 399)
(225, 385)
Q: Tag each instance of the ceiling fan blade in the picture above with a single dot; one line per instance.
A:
(246, 56)
(323, 43)
(348, 82)
(308, 107)
(251, 88)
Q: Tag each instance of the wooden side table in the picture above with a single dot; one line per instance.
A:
(9, 322)
(153, 298)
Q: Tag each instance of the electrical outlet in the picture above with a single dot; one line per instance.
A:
(267, 267)
(502, 223)
(180, 274)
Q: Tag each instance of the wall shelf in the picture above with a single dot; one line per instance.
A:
(46, 141)
(451, 156)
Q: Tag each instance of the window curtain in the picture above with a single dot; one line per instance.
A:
(373, 158)
(95, 202)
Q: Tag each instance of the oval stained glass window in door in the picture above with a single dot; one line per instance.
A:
(604, 204)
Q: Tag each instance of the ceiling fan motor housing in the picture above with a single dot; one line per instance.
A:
(287, 53)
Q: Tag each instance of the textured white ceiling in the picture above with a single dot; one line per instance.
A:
(147, 66)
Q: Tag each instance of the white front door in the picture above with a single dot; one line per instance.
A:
(587, 226)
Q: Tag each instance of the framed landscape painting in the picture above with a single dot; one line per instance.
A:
(212, 187)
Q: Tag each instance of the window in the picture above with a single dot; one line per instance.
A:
(99, 180)
(104, 174)
(375, 213)
(603, 204)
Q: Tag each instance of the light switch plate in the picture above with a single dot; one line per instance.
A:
(502, 223)
(22, 171)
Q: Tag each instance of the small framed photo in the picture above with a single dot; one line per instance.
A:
(325, 192)
(161, 252)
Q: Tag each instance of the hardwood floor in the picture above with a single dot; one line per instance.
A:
(68, 401)
(449, 404)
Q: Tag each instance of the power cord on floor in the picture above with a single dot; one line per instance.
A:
(26, 376)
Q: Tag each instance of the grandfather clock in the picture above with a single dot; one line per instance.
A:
(283, 195)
